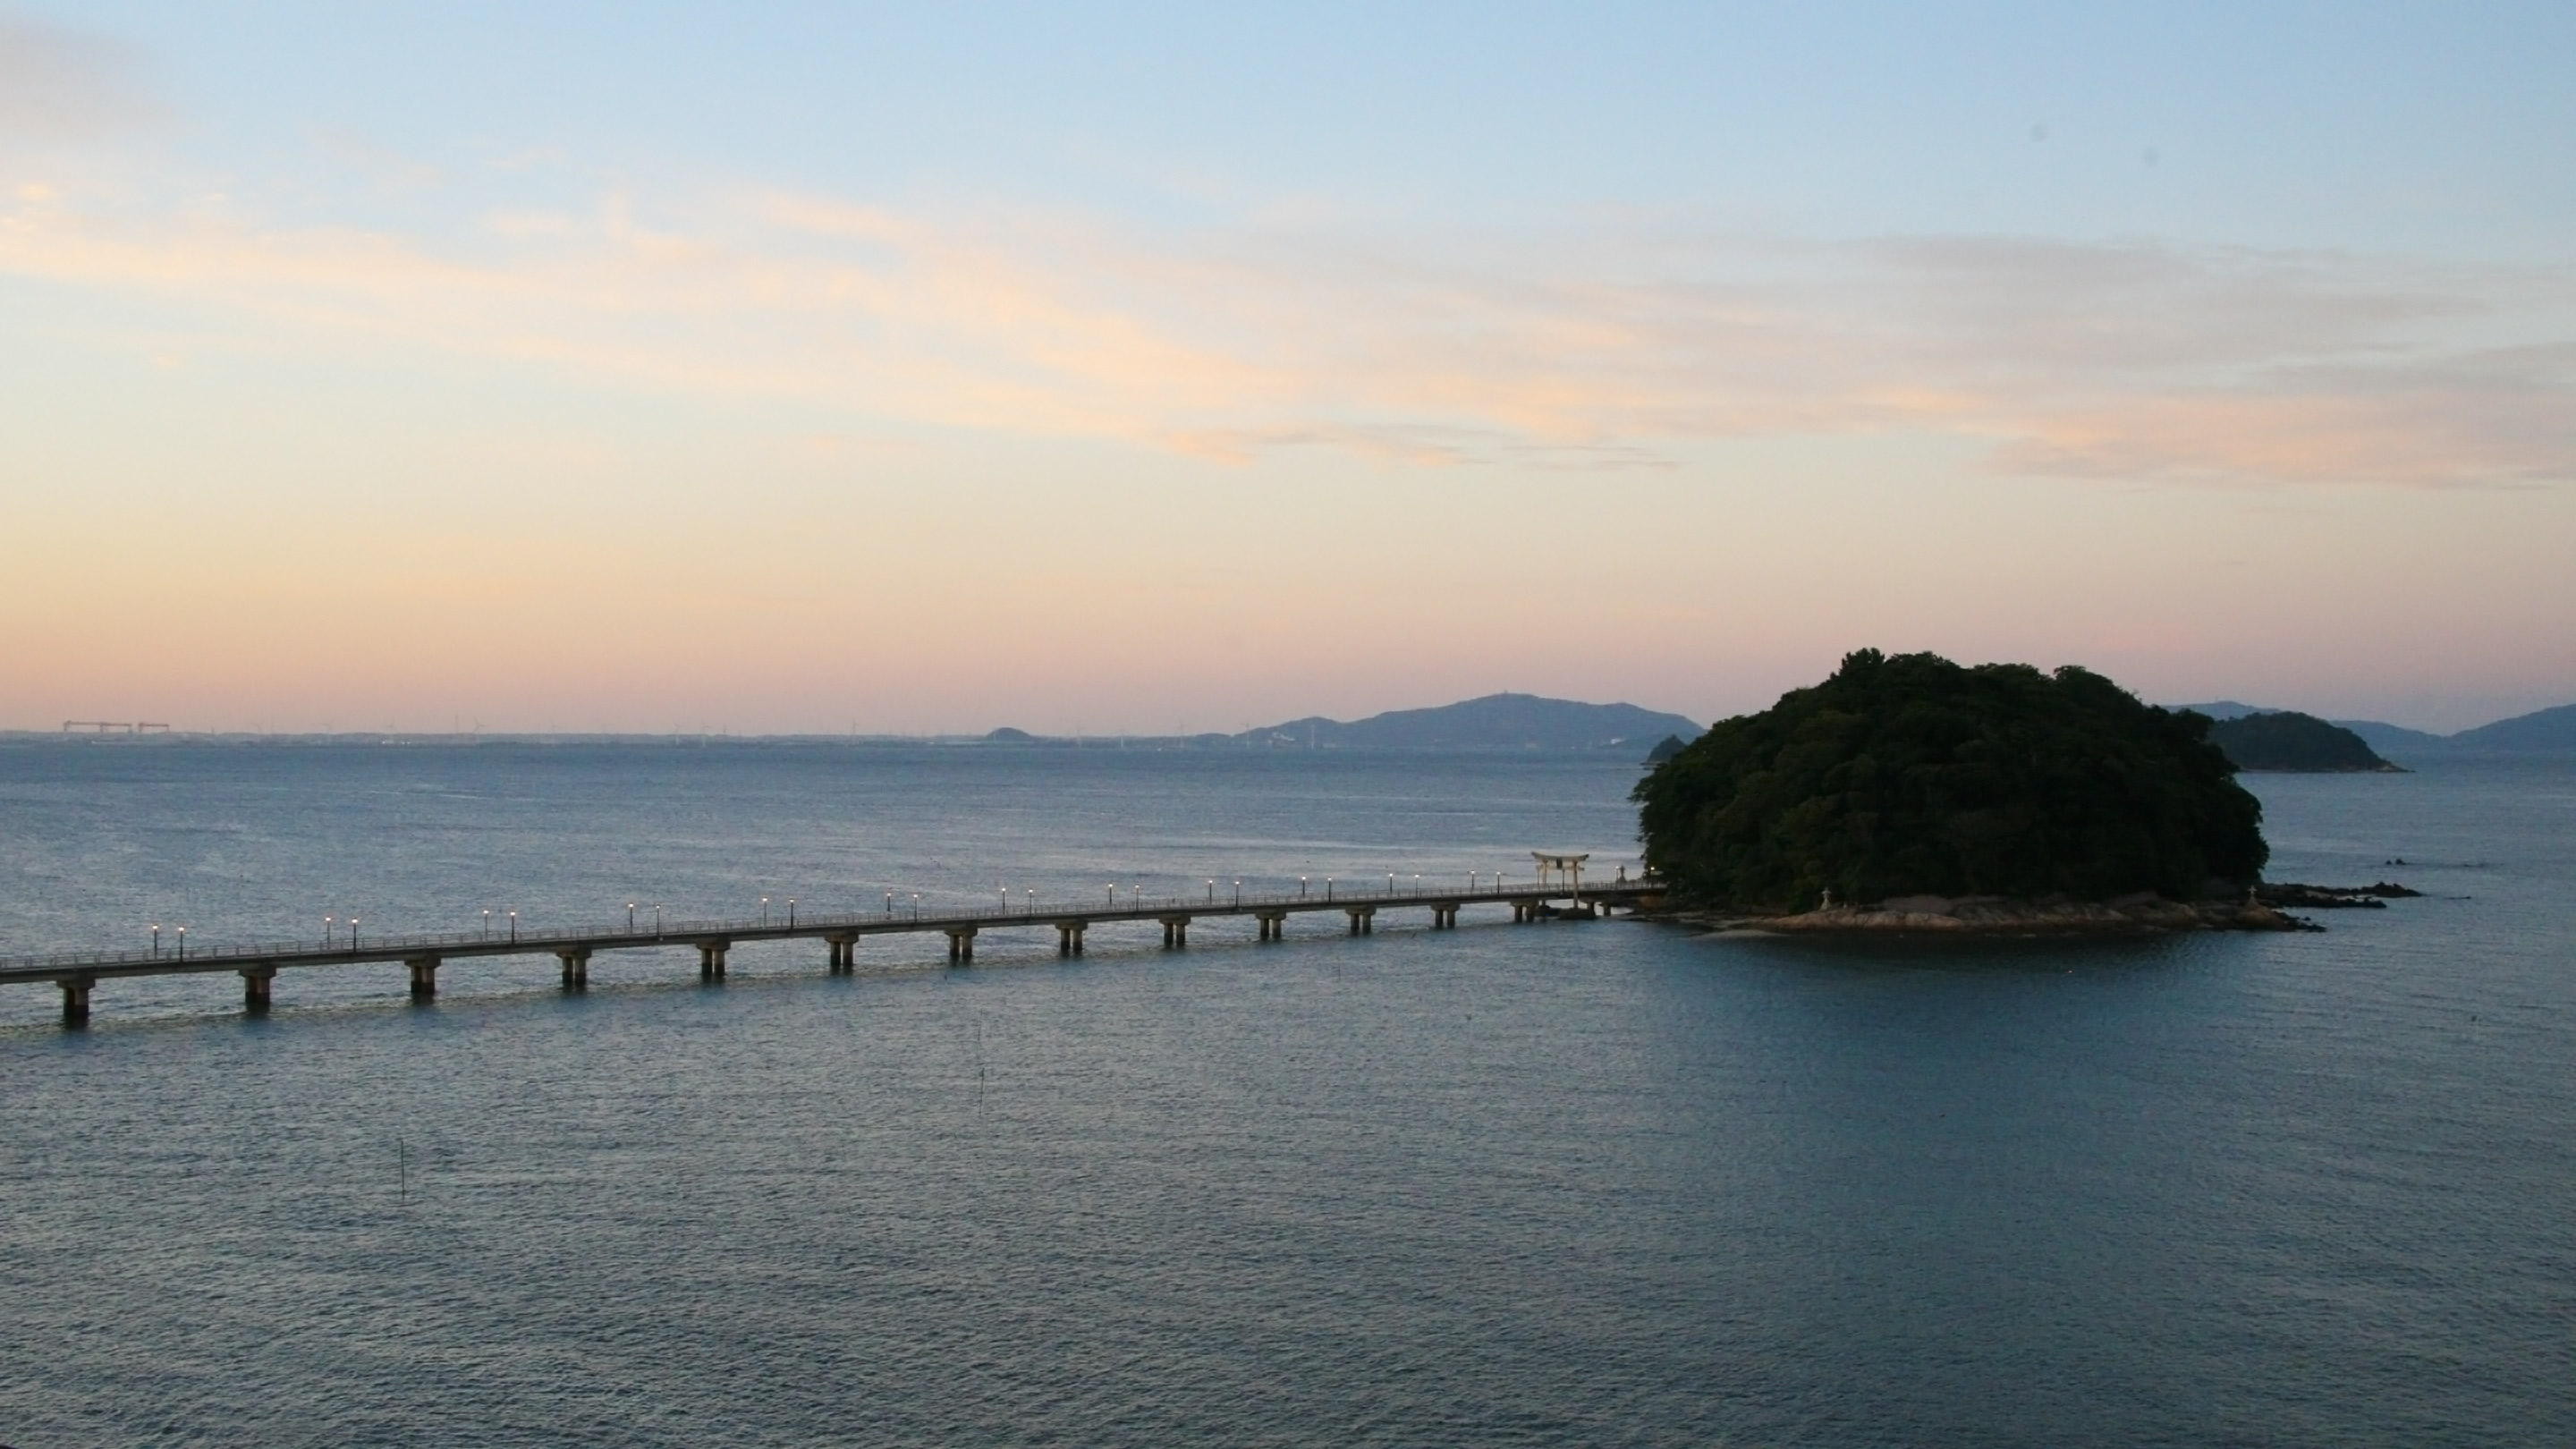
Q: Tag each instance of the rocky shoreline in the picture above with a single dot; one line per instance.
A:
(2142, 914)
(2374, 896)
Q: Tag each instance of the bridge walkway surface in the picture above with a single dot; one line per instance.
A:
(76, 973)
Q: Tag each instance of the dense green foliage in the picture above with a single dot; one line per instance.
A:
(1915, 775)
(2288, 740)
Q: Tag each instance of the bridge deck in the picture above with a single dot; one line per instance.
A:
(75, 971)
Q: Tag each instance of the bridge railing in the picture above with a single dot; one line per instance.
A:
(534, 940)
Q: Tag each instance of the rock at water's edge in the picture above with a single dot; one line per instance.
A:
(2142, 914)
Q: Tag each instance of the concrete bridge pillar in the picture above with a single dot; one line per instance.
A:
(845, 954)
(1176, 933)
(1444, 915)
(1068, 937)
(75, 1000)
(711, 961)
(1363, 919)
(576, 968)
(1274, 925)
(424, 977)
(255, 988)
(961, 945)
(1520, 913)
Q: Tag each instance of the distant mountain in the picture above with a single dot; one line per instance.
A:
(2546, 729)
(1495, 722)
(2288, 740)
(1529, 722)
(2391, 739)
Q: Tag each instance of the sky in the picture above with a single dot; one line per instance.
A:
(1131, 368)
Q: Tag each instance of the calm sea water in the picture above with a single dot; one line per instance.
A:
(1596, 1184)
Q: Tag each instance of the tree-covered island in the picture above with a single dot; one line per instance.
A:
(1911, 791)
(2290, 741)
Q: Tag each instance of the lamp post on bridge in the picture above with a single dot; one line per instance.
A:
(156, 940)
(630, 918)
(791, 913)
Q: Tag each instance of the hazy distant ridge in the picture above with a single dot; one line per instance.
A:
(1495, 722)
(2545, 729)
(2542, 729)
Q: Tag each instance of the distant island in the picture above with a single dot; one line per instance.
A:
(2287, 741)
(2550, 730)
(1912, 791)
(1493, 722)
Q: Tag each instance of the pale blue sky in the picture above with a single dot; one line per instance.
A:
(2231, 349)
(2440, 130)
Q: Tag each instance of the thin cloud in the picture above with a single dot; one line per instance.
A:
(1615, 349)
(57, 83)
(2499, 416)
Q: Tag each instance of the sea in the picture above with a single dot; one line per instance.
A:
(1580, 1183)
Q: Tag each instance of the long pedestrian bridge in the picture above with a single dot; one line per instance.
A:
(1561, 894)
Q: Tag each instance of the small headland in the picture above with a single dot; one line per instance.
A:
(2289, 742)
